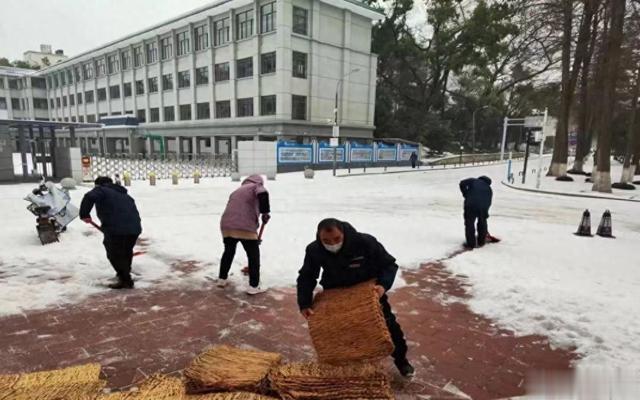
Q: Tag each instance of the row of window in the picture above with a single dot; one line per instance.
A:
(21, 104)
(18, 84)
(244, 68)
(149, 53)
(244, 108)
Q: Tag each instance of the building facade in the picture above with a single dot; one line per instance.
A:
(238, 68)
(23, 95)
(44, 57)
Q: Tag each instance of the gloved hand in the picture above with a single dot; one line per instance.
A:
(87, 220)
(265, 218)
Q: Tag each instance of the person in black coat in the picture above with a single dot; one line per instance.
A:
(346, 258)
(477, 201)
(414, 159)
(121, 227)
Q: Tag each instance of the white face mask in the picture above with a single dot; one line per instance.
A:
(334, 248)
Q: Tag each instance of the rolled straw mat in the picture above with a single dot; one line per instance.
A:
(312, 381)
(225, 368)
(348, 325)
(74, 383)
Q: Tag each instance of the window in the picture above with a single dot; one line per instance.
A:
(202, 76)
(167, 82)
(298, 107)
(154, 114)
(300, 20)
(81, 118)
(57, 102)
(183, 43)
(125, 56)
(88, 97)
(244, 107)
(142, 115)
(113, 65)
(114, 92)
(13, 84)
(166, 48)
(87, 73)
(15, 103)
(39, 83)
(201, 35)
(268, 105)
(185, 112)
(127, 89)
(184, 79)
(222, 72)
(129, 112)
(69, 77)
(38, 103)
(152, 84)
(152, 52)
(73, 119)
(244, 24)
(299, 65)
(244, 68)
(139, 87)
(91, 118)
(3, 103)
(268, 63)
(79, 98)
(77, 73)
(100, 67)
(2, 82)
(64, 101)
(63, 78)
(169, 113)
(221, 31)
(51, 103)
(202, 111)
(268, 18)
(102, 94)
(137, 56)
(72, 100)
(223, 109)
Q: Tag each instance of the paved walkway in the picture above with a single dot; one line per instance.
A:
(133, 334)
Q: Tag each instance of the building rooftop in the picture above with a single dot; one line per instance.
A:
(17, 72)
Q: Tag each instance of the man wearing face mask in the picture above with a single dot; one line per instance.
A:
(346, 258)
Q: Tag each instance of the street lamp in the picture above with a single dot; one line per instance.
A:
(336, 127)
(473, 132)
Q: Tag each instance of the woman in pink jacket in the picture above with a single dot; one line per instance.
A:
(239, 223)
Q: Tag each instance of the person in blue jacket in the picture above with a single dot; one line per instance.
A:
(477, 201)
(121, 226)
(348, 257)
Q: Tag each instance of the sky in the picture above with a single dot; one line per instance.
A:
(76, 26)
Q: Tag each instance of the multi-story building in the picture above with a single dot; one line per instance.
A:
(23, 95)
(44, 57)
(231, 69)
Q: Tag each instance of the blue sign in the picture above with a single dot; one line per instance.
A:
(293, 153)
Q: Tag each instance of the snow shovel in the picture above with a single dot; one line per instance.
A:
(245, 270)
(98, 227)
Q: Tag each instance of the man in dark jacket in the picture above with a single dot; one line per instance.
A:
(477, 200)
(414, 159)
(120, 220)
(346, 258)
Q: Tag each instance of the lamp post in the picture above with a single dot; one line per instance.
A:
(473, 132)
(336, 126)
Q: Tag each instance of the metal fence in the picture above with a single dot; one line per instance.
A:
(139, 166)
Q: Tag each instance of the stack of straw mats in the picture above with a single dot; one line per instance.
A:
(224, 368)
(348, 325)
(311, 381)
(74, 383)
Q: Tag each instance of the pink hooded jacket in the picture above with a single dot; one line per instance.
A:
(242, 211)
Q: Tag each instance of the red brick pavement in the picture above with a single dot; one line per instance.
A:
(133, 334)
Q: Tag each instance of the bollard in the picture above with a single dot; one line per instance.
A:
(174, 178)
(309, 173)
(196, 177)
(584, 229)
(152, 179)
(605, 228)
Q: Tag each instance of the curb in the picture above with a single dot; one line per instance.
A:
(424, 169)
(586, 196)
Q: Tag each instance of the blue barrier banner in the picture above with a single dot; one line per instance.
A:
(293, 153)
(361, 154)
(325, 153)
(406, 151)
(386, 153)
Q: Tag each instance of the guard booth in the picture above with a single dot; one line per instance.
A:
(30, 150)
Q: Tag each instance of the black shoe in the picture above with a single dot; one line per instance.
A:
(121, 285)
(405, 369)
(467, 246)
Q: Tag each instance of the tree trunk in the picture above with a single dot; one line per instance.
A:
(584, 137)
(627, 170)
(613, 42)
(560, 147)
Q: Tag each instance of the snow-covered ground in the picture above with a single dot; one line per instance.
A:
(582, 292)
